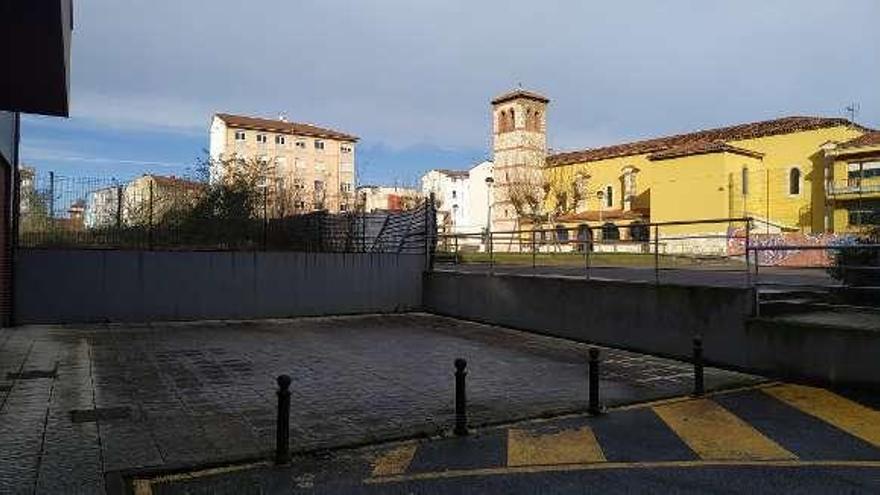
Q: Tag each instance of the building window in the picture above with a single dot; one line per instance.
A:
(319, 145)
(561, 233)
(866, 213)
(502, 121)
(298, 184)
(610, 232)
(239, 135)
(345, 148)
(345, 187)
(301, 205)
(638, 231)
(454, 194)
(609, 196)
(745, 181)
(301, 144)
(279, 139)
(794, 181)
(343, 207)
(319, 185)
(262, 139)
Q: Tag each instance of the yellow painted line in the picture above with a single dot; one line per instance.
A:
(578, 446)
(465, 473)
(144, 486)
(394, 461)
(683, 398)
(840, 412)
(715, 433)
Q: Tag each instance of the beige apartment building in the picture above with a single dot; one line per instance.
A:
(308, 168)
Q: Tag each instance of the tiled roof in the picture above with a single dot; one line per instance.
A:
(785, 125)
(454, 173)
(869, 139)
(270, 125)
(701, 148)
(172, 181)
(520, 93)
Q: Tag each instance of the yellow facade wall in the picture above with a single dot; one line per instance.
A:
(710, 185)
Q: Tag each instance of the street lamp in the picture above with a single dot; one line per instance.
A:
(489, 182)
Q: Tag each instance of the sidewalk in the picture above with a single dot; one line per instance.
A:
(81, 401)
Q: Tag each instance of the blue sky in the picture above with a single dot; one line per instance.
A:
(413, 79)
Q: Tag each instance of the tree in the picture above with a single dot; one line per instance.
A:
(524, 191)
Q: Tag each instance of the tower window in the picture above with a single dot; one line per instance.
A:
(794, 181)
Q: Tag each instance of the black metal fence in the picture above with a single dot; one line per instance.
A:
(161, 212)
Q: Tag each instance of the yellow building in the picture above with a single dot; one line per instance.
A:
(854, 187)
(775, 171)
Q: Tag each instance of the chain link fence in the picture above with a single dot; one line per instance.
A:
(174, 213)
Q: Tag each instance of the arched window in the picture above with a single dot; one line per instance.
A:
(794, 181)
(609, 196)
(561, 233)
(584, 237)
(502, 121)
(512, 119)
(536, 117)
(610, 232)
(638, 231)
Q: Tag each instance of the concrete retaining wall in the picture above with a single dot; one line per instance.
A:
(658, 320)
(67, 286)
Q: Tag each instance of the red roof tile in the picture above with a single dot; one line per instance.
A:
(520, 93)
(785, 125)
(869, 139)
(270, 125)
(701, 148)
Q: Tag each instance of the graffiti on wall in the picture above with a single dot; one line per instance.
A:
(791, 258)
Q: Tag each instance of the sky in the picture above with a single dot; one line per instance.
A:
(413, 79)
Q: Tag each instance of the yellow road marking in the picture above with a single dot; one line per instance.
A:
(714, 433)
(142, 486)
(565, 447)
(842, 413)
(395, 461)
(463, 473)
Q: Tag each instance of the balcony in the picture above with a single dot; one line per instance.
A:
(855, 187)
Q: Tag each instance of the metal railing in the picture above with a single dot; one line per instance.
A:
(852, 277)
(582, 249)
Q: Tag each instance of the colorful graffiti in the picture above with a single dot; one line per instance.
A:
(788, 257)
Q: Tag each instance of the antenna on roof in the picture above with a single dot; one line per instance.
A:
(853, 110)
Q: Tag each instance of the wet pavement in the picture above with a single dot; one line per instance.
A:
(82, 401)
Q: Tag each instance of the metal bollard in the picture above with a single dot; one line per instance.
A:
(282, 430)
(698, 366)
(593, 376)
(460, 398)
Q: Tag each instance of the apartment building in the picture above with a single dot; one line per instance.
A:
(310, 167)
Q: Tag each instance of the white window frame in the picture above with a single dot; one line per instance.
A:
(262, 139)
(301, 144)
(280, 139)
(319, 144)
(240, 135)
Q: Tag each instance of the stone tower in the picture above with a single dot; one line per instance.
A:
(519, 148)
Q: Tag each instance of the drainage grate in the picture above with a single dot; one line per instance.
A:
(32, 374)
(101, 413)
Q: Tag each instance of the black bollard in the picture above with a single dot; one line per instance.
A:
(698, 366)
(593, 376)
(282, 431)
(460, 398)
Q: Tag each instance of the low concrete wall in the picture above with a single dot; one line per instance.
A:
(658, 320)
(66, 286)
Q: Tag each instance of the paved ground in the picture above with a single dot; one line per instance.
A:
(78, 402)
(774, 438)
(710, 276)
